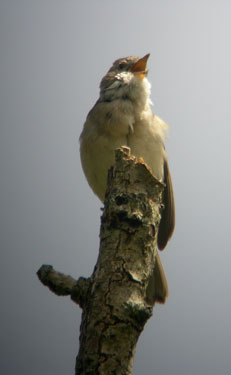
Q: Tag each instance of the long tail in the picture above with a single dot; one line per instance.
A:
(160, 281)
(157, 290)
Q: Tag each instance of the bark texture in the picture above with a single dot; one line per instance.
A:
(117, 299)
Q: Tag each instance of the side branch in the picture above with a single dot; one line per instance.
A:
(63, 285)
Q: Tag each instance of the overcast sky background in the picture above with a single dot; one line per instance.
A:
(53, 54)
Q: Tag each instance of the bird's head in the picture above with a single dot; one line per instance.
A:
(126, 80)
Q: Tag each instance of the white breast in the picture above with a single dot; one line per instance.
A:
(143, 133)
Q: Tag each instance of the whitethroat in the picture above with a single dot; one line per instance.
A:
(122, 116)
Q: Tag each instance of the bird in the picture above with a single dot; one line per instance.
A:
(122, 116)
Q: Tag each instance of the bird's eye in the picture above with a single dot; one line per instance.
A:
(122, 66)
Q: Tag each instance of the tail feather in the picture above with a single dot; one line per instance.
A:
(157, 290)
(160, 281)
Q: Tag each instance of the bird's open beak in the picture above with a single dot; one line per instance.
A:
(139, 68)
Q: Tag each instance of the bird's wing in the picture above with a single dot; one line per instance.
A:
(167, 222)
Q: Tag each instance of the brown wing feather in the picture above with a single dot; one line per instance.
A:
(167, 223)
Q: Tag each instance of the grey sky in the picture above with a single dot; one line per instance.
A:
(53, 55)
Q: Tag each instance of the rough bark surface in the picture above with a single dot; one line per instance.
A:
(115, 299)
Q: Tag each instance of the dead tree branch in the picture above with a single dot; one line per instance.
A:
(117, 299)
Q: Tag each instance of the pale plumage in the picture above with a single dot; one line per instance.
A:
(123, 116)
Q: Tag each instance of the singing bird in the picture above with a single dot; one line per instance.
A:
(122, 116)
